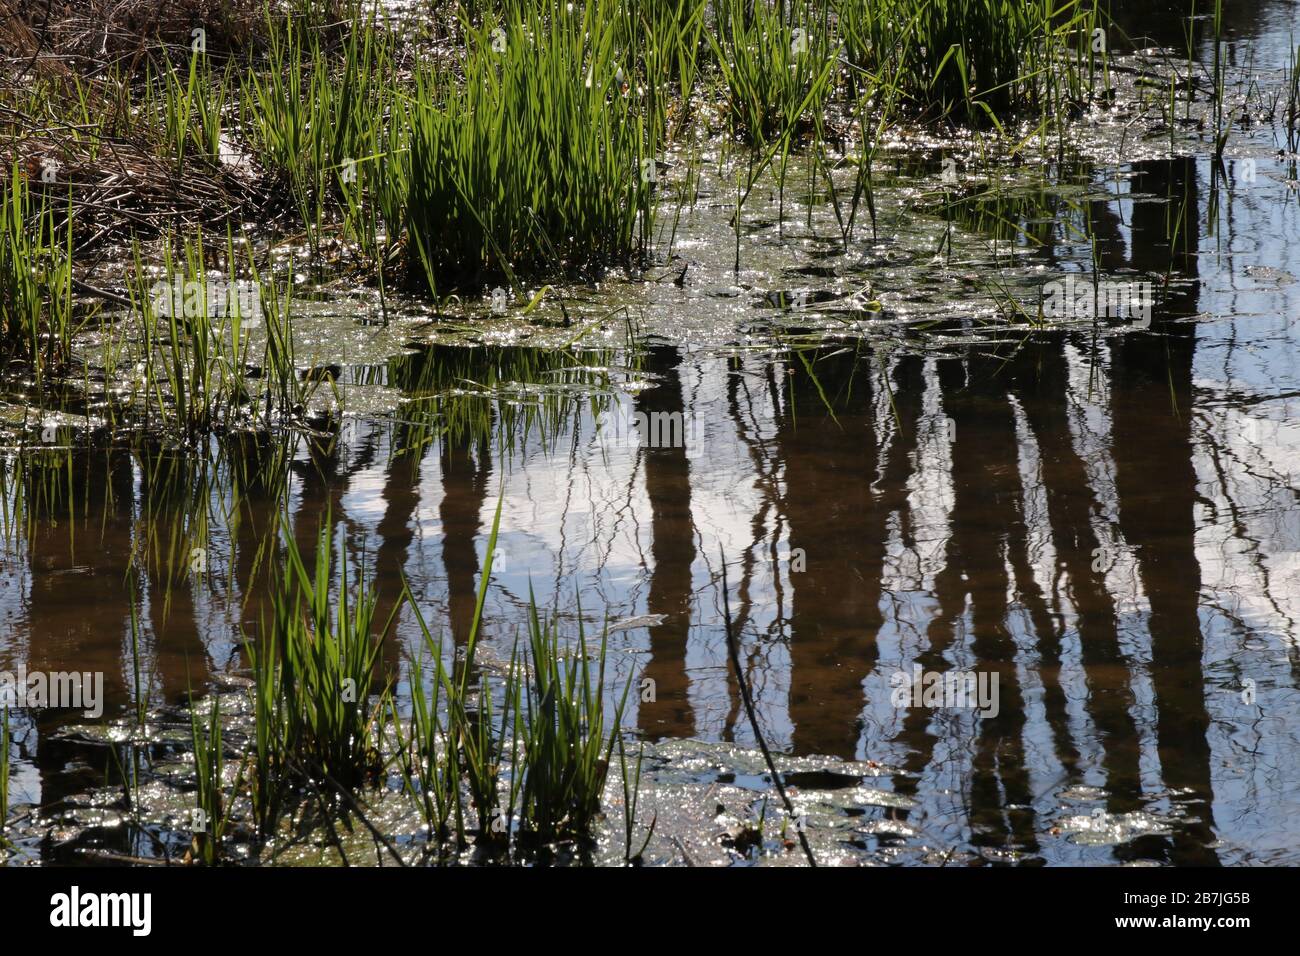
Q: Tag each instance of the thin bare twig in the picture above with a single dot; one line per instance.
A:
(733, 648)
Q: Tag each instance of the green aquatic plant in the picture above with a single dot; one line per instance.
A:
(971, 60)
(188, 378)
(665, 39)
(138, 687)
(212, 352)
(534, 157)
(270, 784)
(318, 116)
(316, 671)
(777, 63)
(318, 723)
(190, 108)
(210, 817)
(550, 730)
(631, 798)
(36, 304)
(430, 774)
(474, 750)
(1219, 79)
(566, 748)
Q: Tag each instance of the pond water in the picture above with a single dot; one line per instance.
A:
(900, 476)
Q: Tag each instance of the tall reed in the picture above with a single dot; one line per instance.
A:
(316, 670)
(210, 820)
(535, 160)
(36, 306)
(776, 61)
(566, 746)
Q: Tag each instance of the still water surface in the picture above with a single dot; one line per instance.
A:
(1104, 517)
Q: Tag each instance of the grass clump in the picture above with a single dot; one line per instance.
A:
(314, 672)
(318, 117)
(969, 60)
(36, 317)
(534, 765)
(776, 62)
(534, 160)
(215, 346)
(211, 819)
(189, 107)
(566, 747)
(429, 775)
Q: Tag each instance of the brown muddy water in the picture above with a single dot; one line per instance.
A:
(1101, 515)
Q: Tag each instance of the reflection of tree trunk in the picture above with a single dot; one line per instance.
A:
(465, 465)
(396, 532)
(908, 388)
(1155, 480)
(77, 615)
(171, 488)
(986, 526)
(766, 469)
(987, 523)
(259, 479)
(668, 490)
(320, 493)
(1156, 483)
(838, 529)
(1041, 375)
